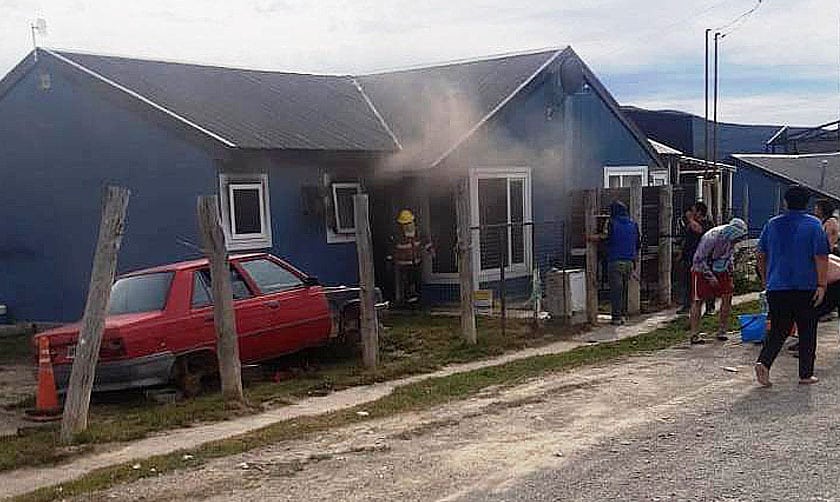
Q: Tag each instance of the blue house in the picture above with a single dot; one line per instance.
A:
(764, 178)
(285, 153)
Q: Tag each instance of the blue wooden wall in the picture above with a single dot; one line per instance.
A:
(302, 238)
(58, 149)
(525, 133)
(763, 192)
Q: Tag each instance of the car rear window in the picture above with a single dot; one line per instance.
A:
(270, 277)
(140, 293)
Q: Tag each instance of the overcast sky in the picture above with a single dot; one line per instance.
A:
(779, 66)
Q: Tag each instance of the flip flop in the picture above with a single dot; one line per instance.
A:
(762, 375)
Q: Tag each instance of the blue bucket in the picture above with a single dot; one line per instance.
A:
(753, 327)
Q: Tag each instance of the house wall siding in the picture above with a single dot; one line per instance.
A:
(524, 134)
(763, 191)
(58, 149)
(300, 235)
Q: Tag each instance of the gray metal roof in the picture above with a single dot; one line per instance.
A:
(663, 149)
(432, 109)
(806, 170)
(252, 109)
(425, 112)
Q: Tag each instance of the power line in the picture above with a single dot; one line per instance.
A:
(660, 29)
(738, 21)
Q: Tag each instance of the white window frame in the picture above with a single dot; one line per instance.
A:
(228, 184)
(335, 235)
(659, 176)
(612, 171)
(335, 188)
(513, 270)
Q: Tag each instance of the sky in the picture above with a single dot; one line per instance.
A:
(780, 65)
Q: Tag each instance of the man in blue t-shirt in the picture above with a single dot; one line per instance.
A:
(623, 243)
(792, 262)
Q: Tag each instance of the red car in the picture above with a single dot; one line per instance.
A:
(160, 326)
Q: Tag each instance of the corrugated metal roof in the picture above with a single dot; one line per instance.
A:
(807, 170)
(253, 109)
(432, 109)
(664, 149)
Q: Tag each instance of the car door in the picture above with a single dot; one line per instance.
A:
(253, 318)
(301, 317)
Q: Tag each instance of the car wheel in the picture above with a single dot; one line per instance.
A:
(191, 373)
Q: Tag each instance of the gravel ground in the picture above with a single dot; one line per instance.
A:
(675, 425)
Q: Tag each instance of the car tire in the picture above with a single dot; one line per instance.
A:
(192, 371)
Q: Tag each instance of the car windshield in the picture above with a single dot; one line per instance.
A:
(140, 293)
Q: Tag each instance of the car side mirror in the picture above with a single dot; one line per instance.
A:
(311, 281)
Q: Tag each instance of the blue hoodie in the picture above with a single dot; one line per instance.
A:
(623, 242)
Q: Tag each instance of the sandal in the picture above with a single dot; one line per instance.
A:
(696, 340)
(721, 336)
(762, 375)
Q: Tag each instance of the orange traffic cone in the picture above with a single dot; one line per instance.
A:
(46, 400)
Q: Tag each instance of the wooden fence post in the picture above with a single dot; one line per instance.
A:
(111, 229)
(591, 208)
(369, 324)
(666, 210)
(709, 200)
(227, 341)
(634, 298)
(745, 205)
(465, 261)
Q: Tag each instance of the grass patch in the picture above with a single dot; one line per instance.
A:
(16, 349)
(412, 397)
(411, 344)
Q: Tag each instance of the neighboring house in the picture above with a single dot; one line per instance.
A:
(686, 132)
(286, 152)
(765, 177)
(689, 172)
(821, 139)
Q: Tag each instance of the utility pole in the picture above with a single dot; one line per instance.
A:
(706, 116)
(111, 228)
(716, 193)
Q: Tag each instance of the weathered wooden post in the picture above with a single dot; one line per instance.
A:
(666, 211)
(745, 205)
(709, 199)
(111, 228)
(465, 261)
(369, 324)
(227, 342)
(590, 209)
(634, 298)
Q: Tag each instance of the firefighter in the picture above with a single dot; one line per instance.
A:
(407, 256)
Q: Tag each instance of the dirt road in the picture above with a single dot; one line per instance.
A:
(623, 431)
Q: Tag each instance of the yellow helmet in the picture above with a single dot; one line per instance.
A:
(405, 217)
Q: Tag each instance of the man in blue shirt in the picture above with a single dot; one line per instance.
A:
(623, 243)
(792, 262)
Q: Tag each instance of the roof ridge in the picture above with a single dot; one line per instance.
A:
(785, 155)
(550, 59)
(375, 111)
(188, 63)
(75, 64)
(461, 61)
